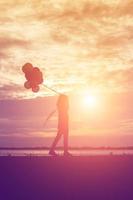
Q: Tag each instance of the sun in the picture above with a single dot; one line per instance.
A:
(90, 100)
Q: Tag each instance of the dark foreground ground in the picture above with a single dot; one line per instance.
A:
(37, 178)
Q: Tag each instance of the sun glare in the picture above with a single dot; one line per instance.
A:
(90, 101)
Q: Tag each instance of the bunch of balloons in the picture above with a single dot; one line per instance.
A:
(33, 76)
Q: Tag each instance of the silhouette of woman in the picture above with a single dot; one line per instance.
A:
(63, 124)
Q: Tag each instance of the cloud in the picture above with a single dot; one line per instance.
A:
(23, 119)
(73, 42)
(3, 55)
(7, 42)
(10, 91)
(121, 76)
(126, 8)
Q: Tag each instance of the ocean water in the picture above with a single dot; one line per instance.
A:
(73, 152)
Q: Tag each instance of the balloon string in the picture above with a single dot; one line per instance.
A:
(51, 89)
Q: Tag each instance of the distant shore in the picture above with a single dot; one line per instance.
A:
(70, 148)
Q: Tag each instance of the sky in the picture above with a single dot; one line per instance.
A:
(82, 47)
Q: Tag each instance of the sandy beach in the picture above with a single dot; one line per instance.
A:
(94, 177)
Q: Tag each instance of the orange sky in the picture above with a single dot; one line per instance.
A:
(78, 44)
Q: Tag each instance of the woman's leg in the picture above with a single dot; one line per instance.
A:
(57, 138)
(66, 152)
(65, 142)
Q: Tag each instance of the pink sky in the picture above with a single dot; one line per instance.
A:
(80, 45)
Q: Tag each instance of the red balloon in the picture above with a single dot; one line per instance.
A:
(35, 89)
(36, 76)
(36, 69)
(33, 76)
(27, 68)
(29, 76)
(27, 85)
(41, 80)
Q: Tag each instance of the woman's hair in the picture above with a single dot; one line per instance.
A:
(62, 101)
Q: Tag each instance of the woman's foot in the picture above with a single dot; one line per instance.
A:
(67, 153)
(52, 153)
